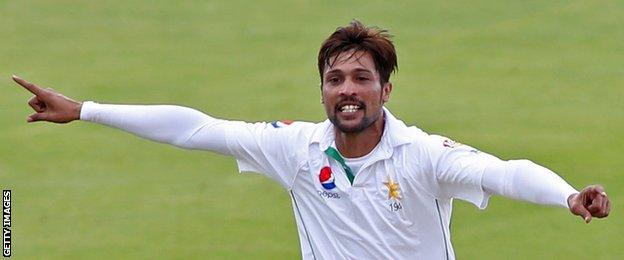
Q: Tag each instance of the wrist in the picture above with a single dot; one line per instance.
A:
(570, 198)
(76, 111)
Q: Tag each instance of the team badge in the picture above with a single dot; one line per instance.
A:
(281, 123)
(327, 178)
(394, 191)
(450, 143)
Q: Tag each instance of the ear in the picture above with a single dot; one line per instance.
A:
(385, 92)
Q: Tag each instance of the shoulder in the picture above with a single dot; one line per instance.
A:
(421, 140)
(298, 129)
(412, 136)
(270, 135)
(432, 148)
(297, 133)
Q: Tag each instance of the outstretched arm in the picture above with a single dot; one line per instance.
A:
(471, 175)
(258, 147)
(525, 180)
(176, 125)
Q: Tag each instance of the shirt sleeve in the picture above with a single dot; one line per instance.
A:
(525, 180)
(176, 125)
(458, 170)
(468, 174)
(273, 149)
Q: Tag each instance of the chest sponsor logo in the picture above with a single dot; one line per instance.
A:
(326, 177)
(329, 195)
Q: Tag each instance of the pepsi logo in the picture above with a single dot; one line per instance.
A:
(327, 178)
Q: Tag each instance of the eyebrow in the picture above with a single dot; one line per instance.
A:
(334, 71)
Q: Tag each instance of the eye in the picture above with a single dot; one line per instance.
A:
(362, 78)
(333, 80)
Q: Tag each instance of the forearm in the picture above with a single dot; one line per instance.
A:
(176, 125)
(525, 180)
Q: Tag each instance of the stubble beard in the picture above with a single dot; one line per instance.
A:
(365, 123)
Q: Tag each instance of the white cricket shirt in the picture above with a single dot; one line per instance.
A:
(399, 205)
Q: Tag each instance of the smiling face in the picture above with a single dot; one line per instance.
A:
(352, 92)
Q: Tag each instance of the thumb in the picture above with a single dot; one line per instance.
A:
(37, 117)
(584, 213)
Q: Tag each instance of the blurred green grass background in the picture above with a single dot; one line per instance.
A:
(520, 79)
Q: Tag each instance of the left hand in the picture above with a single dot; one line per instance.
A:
(592, 201)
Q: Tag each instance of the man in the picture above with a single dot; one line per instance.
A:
(363, 184)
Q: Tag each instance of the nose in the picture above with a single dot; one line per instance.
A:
(348, 88)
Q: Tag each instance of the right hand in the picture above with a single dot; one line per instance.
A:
(50, 105)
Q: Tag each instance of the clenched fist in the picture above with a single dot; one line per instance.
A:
(592, 201)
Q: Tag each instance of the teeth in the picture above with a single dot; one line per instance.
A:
(350, 108)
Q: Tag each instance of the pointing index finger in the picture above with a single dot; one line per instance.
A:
(27, 85)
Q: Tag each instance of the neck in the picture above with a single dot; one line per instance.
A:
(353, 145)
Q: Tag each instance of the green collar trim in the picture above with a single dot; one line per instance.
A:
(333, 153)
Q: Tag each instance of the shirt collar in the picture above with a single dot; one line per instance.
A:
(395, 134)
